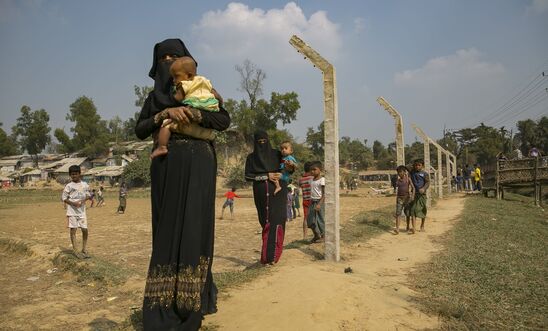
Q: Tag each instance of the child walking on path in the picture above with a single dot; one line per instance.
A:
(421, 182)
(316, 211)
(74, 196)
(304, 183)
(230, 195)
(404, 196)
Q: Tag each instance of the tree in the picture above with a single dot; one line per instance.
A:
(354, 153)
(414, 151)
(251, 81)
(137, 173)
(115, 129)
(128, 126)
(255, 113)
(91, 135)
(7, 145)
(65, 143)
(141, 92)
(316, 141)
(32, 131)
(378, 149)
(235, 176)
(533, 134)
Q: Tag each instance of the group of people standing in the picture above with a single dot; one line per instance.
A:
(468, 178)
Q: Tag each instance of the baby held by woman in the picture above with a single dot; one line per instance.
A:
(192, 91)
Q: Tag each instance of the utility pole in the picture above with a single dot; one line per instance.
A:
(400, 152)
(331, 164)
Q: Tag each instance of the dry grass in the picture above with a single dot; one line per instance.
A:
(15, 246)
(95, 269)
(492, 272)
(368, 224)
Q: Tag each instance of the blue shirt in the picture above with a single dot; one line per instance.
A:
(418, 178)
(285, 173)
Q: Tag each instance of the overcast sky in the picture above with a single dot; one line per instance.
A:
(440, 63)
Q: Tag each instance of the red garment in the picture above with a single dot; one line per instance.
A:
(304, 183)
(230, 195)
(306, 205)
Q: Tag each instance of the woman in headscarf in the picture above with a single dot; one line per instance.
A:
(179, 288)
(261, 167)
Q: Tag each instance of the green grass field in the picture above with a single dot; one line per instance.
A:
(492, 274)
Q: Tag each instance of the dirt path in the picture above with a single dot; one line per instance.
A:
(302, 294)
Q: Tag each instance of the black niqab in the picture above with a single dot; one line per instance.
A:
(264, 158)
(162, 96)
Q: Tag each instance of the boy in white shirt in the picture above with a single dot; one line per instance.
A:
(74, 196)
(315, 219)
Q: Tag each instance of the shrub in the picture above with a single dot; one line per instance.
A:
(235, 176)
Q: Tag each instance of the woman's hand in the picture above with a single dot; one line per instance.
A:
(181, 114)
(318, 207)
(274, 175)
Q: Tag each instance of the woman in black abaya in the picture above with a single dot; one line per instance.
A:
(179, 287)
(261, 166)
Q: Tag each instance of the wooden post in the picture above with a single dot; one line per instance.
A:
(440, 176)
(454, 165)
(497, 180)
(537, 184)
(440, 168)
(400, 152)
(448, 171)
(331, 162)
(426, 143)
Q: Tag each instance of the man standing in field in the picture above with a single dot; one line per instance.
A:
(74, 196)
(421, 182)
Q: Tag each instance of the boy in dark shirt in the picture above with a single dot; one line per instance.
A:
(421, 182)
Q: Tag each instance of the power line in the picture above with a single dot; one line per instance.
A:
(518, 107)
(523, 110)
(527, 90)
(523, 96)
(535, 81)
